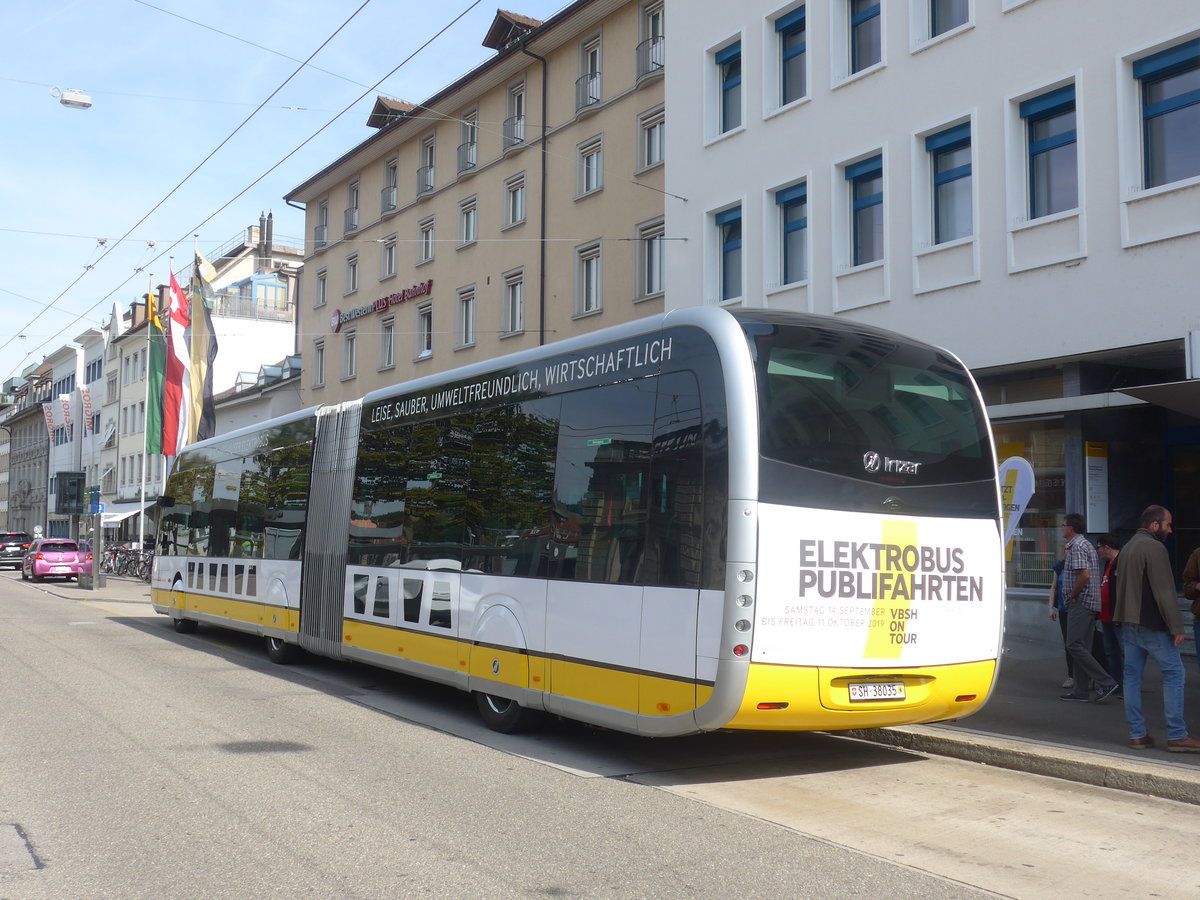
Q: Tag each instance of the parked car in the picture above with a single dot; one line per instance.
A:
(54, 558)
(13, 545)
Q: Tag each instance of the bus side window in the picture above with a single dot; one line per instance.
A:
(602, 482)
(676, 533)
(412, 599)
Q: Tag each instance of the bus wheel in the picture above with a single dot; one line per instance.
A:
(504, 715)
(186, 626)
(280, 651)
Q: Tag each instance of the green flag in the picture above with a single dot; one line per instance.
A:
(156, 373)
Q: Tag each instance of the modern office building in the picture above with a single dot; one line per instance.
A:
(1015, 180)
(521, 204)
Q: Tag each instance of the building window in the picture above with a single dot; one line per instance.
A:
(387, 343)
(322, 288)
(652, 128)
(945, 15)
(514, 302)
(514, 125)
(425, 171)
(468, 149)
(424, 331)
(587, 279)
(352, 273)
(1170, 83)
(729, 237)
(514, 200)
(650, 52)
(793, 74)
(387, 196)
(1053, 162)
(351, 218)
(729, 71)
(466, 316)
(389, 256)
(866, 45)
(950, 161)
(866, 205)
(350, 354)
(318, 367)
(591, 166)
(321, 229)
(587, 88)
(425, 241)
(468, 222)
(792, 203)
(650, 259)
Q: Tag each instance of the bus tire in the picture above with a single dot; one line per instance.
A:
(186, 626)
(504, 715)
(281, 652)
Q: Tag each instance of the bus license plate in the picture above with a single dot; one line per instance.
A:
(876, 690)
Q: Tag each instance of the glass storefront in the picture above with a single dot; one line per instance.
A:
(1037, 543)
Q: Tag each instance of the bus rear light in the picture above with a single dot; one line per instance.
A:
(742, 625)
(772, 706)
(965, 698)
(741, 650)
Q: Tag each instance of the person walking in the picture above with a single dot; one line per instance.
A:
(1151, 626)
(1081, 585)
(1058, 611)
(1191, 592)
(1109, 549)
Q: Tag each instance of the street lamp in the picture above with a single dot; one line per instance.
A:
(72, 98)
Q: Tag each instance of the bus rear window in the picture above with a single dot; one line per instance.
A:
(863, 405)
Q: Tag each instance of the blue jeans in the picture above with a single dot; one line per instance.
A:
(1140, 643)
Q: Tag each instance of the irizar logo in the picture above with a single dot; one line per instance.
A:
(875, 463)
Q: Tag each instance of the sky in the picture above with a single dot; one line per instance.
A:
(95, 203)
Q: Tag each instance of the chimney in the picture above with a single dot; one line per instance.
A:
(264, 246)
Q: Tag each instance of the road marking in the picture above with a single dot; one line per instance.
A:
(16, 854)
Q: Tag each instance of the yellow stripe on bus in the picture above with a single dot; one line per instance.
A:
(880, 643)
(808, 698)
(228, 608)
(648, 694)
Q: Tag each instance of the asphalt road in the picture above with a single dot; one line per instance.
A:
(138, 763)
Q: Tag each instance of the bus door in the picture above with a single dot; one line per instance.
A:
(430, 606)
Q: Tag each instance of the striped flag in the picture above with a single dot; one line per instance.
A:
(203, 349)
(177, 384)
(156, 372)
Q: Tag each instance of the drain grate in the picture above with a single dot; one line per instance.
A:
(16, 853)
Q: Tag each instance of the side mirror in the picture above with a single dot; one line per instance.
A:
(165, 502)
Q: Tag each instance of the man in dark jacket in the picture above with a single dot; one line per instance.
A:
(1151, 625)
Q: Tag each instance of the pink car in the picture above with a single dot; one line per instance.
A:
(55, 558)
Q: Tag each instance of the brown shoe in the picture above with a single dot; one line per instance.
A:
(1142, 743)
(1184, 745)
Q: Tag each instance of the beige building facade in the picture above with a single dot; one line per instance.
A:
(520, 205)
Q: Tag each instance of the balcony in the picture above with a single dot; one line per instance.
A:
(651, 56)
(514, 131)
(320, 236)
(467, 156)
(587, 90)
(351, 219)
(424, 179)
(387, 199)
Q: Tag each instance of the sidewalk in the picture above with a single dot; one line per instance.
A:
(1024, 726)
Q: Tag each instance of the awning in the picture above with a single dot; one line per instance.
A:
(119, 512)
(1180, 396)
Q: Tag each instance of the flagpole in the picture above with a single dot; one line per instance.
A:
(145, 417)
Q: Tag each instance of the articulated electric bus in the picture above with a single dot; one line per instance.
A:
(702, 520)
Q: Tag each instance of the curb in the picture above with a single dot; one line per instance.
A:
(1121, 773)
